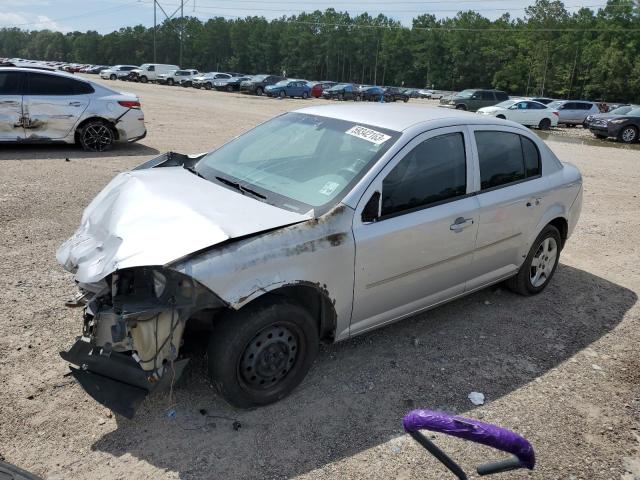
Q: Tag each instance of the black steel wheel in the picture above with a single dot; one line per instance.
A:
(260, 353)
(96, 136)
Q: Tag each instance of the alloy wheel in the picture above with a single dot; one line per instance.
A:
(97, 137)
(629, 135)
(543, 262)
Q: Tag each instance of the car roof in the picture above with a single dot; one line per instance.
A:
(396, 117)
(60, 73)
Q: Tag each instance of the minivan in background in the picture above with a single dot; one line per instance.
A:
(474, 99)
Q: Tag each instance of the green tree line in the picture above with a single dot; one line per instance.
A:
(549, 51)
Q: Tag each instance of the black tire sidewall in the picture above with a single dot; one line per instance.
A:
(635, 138)
(88, 124)
(234, 333)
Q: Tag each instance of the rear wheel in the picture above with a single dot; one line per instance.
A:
(305, 95)
(600, 136)
(628, 134)
(112, 76)
(229, 88)
(96, 136)
(540, 265)
(405, 99)
(207, 86)
(545, 124)
(340, 96)
(170, 82)
(259, 354)
(461, 107)
(281, 94)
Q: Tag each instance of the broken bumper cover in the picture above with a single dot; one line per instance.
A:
(116, 380)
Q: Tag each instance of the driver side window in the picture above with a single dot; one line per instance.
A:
(433, 172)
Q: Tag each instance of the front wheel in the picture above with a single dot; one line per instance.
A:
(96, 136)
(259, 91)
(259, 354)
(461, 107)
(112, 76)
(281, 94)
(540, 265)
(305, 95)
(629, 134)
(144, 79)
(229, 88)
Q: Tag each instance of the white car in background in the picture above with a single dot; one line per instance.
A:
(149, 72)
(117, 71)
(525, 112)
(177, 77)
(56, 107)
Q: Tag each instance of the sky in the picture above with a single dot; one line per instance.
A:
(109, 15)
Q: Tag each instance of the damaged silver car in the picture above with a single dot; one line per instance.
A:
(315, 226)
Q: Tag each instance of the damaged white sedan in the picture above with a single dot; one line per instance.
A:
(315, 226)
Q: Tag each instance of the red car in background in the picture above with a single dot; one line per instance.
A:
(318, 87)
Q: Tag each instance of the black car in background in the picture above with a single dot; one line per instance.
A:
(395, 94)
(230, 84)
(257, 83)
(342, 91)
(625, 127)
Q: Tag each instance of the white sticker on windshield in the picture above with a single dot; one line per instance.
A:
(367, 134)
(329, 188)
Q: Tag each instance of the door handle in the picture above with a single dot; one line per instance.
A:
(460, 224)
(75, 104)
(534, 202)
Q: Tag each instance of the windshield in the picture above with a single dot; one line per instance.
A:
(282, 83)
(258, 78)
(621, 110)
(298, 161)
(506, 103)
(634, 113)
(555, 104)
(466, 94)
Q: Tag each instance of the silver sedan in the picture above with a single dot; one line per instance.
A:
(318, 225)
(41, 106)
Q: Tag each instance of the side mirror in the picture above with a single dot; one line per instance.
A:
(370, 213)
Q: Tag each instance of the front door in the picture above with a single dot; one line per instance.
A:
(11, 118)
(53, 104)
(418, 250)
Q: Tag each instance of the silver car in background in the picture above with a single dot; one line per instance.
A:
(574, 112)
(42, 106)
(315, 226)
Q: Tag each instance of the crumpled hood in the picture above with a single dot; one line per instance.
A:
(158, 215)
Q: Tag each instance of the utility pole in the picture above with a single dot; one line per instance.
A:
(181, 28)
(155, 27)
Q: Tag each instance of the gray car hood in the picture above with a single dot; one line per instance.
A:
(158, 215)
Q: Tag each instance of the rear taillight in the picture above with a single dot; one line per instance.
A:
(129, 103)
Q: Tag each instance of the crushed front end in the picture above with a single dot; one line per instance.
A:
(134, 320)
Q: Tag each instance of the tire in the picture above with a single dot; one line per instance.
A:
(170, 82)
(281, 94)
(532, 279)
(112, 76)
(305, 95)
(545, 124)
(259, 354)
(628, 134)
(259, 91)
(462, 106)
(96, 136)
(405, 100)
(340, 96)
(601, 137)
(229, 88)
(585, 125)
(144, 79)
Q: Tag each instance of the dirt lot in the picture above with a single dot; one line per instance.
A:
(562, 368)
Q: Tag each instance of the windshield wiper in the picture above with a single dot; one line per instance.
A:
(193, 170)
(239, 187)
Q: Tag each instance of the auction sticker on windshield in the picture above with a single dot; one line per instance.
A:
(367, 134)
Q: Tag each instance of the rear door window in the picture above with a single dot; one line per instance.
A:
(488, 96)
(505, 158)
(10, 83)
(433, 172)
(501, 96)
(42, 84)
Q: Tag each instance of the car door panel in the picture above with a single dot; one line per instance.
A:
(413, 260)
(11, 111)
(51, 116)
(507, 216)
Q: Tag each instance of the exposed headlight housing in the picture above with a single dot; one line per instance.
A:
(159, 283)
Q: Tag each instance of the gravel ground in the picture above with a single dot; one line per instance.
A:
(561, 368)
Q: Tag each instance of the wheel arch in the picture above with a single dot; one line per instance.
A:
(312, 297)
(110, 123)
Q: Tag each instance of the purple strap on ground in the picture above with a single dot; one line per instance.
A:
(469, 429)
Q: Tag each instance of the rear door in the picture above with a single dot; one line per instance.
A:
(419, 250)
(11, 88)
(53, 104)
(513, 196)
